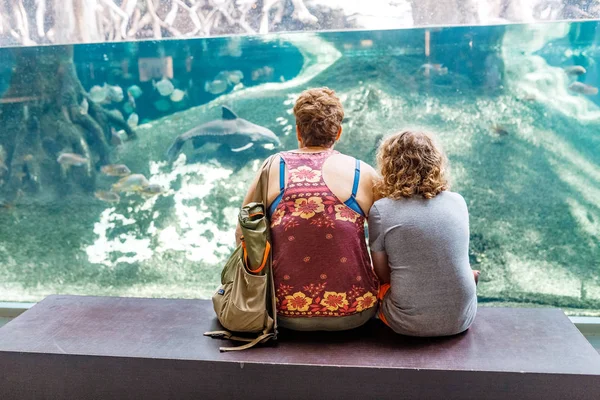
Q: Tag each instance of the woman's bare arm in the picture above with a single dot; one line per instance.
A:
(381, 266)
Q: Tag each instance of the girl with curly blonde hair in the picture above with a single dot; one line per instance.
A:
(419, 237)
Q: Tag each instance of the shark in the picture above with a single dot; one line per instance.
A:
(231, 131)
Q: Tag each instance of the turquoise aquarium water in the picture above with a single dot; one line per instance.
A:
(93, 203)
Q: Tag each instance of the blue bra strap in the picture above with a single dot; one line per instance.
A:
(275, 202)
(356, 178)
(281, 174)
(351, 202)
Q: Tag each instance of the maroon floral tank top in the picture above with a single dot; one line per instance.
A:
(320, 261)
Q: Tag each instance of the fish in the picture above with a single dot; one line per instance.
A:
(129, 108)
(98, 94)
(162, 105)
(72, 159)
(582, 88)
(133, 120)
(164, 87)
(115, 170)
(118, 114)
(217, 86)
(576, 70)
(84, 107)
(177, 95)
(500, 130)
(235, 77)
(264, 72)
(131, 183)
(236, 133)
(152, 190)
(115, 93)
(436, 69)
(109, 197)
(135, 91)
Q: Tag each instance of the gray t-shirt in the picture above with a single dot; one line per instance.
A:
(432, 289)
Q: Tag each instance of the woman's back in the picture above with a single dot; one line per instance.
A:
(426, 241)
(338, 174)
(322, 270)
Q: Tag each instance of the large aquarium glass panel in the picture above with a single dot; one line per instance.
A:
(102, 192)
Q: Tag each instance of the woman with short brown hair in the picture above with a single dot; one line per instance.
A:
(419, 234)
(318, 203)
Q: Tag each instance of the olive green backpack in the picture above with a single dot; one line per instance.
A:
(245, 301)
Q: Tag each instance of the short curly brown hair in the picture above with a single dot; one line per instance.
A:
(319, 114)
(411, 164)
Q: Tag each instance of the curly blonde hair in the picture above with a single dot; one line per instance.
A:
(319, 114)
(411, 164)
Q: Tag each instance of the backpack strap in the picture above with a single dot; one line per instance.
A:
(260, 339)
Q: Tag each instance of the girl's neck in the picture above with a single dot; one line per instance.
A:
(312, 149)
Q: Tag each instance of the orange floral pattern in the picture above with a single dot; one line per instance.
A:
(345, 213)
(365, 301)
(333, 301)
(307, 208)
(298, 302)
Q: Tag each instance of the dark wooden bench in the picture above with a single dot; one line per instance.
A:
(71, 347)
